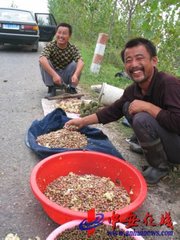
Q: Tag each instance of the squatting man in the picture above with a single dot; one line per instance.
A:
(152, 106)
(61, 63)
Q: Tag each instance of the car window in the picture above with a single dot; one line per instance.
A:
(15, 15)
(45, 19)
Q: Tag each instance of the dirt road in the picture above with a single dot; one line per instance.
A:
(21, 93)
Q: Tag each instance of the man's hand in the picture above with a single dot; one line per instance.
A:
(74, 79)
(137, 106)
(57, 79)
(48, 68)
(77, 122)
(81, 122)
(77, 73)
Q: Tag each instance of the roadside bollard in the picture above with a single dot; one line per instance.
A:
(99, 52)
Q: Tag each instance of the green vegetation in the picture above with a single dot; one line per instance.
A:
(156, 20)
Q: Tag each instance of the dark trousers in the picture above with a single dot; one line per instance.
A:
(65, 74)
(147, 129)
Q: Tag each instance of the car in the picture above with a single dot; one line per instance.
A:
(22, 27)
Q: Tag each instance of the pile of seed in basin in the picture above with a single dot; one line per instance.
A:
(102, 232)
(63, 138)
(83, 192)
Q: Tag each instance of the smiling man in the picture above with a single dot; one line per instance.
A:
(152, 106)
(61, 63)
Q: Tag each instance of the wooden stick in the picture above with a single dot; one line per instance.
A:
(65, 95)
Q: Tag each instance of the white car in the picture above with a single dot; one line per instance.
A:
(25, 28)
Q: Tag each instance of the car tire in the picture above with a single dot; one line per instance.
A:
(35, 47)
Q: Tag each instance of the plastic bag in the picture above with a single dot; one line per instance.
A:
(97, 140)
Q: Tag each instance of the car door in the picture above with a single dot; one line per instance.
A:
(47, 26)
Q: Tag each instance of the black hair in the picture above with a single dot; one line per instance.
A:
(140, 41)
(65, 25)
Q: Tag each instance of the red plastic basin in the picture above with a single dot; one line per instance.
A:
(86, 162)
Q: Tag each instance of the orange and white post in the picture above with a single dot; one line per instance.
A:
(99, 52)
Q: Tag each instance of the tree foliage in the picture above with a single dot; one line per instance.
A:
(156, 20)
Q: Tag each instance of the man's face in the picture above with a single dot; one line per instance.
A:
(139, 64)
(62, 36)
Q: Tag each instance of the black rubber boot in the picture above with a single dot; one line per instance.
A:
(157, 159)
(51, 91)
(134, 144)
(71, 90)
(154, 175)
